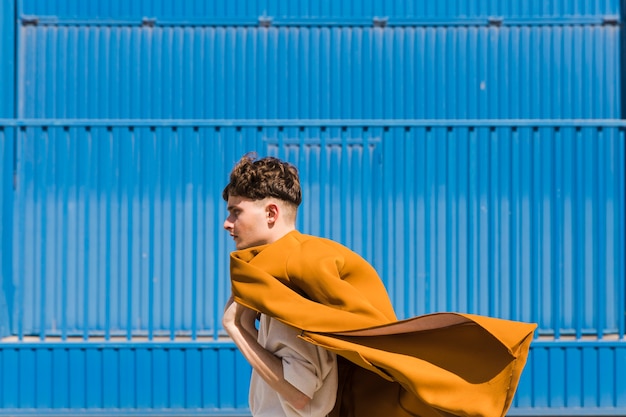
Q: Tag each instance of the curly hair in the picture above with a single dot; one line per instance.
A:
(258, 179)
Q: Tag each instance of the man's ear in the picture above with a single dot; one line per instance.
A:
(272, 212)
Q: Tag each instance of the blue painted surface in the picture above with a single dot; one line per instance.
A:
(119, 231)
(117, 236)
(211, 378)
(311, 9)
(7, 288)
(478, 142)
(321, 72)
(7, 111)
(123, 378)
(7, 63)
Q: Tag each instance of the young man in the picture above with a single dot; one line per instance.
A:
(291, 377)
(328, 335)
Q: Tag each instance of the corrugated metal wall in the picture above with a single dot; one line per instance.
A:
(448, 11)
(7, 63)
(516, 221)
(122, 378)
(568, 70)
(122, 120)
(522, 221)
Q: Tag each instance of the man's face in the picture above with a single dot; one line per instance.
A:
(247, 222)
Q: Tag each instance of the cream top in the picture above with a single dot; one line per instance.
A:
(309, 368)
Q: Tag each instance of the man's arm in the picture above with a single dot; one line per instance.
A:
(238, 322)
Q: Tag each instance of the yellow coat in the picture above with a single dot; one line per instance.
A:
(442, 364)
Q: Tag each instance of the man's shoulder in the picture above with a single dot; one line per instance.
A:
(311, 240)
(311, 251)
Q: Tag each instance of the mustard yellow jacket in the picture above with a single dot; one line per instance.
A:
(442, 364)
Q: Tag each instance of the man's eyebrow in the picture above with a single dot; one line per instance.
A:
(230, 208)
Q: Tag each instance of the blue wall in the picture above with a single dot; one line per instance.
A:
(472, 151)
(364, 11)
(117, 229)
(469, 70)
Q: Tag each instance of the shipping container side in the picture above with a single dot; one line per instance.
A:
(361, 11)
(471, 151)
(212, 379)
(117, 228)
(123, 379)
(413, 72)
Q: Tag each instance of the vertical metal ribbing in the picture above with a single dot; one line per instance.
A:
(172, 162)
(129, 167)
(8, 71)
(612, 201)
(556, 219)
(447, 220)
(600, 235)
(483, 223)
(473, 211)
(512, 71)
(63, 236)
(535, 219)
(151, 175)
(344, 178)
(7, 137)
(505, 288)
(516, 294)
(618, 160)
(573, 227)
(86, 213)
(578, 232)
(345, 10)
(76, 251)
(566, 175)
(494, 248)
(430, 165)
(106, 199)
(220, 267)
(406, 223)
(590, 228)
(19, 239)
(38, 249)
(413, 225)
(194, 229)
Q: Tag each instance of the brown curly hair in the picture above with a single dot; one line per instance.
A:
(258, 179)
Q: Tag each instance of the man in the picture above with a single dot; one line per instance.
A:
(328, 334)
(290, 377)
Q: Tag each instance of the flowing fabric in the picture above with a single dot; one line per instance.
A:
(441, 364)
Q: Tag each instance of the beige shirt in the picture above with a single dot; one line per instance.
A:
(309, 368)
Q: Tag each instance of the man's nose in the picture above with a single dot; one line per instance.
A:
(228, 224)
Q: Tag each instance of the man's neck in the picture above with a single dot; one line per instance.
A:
(280, 233)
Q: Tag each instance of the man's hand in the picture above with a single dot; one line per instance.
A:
(239, 323)
(238, 317)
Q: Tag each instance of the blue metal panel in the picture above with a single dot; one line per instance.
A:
(114, 228)
(7, 288)
(311, 9)
(560, 378)
(412, 72)
(119, 231)
(7, 110)
(133, 209)
(7, 63)
(486, 220)
(208, 379)
(573, 378)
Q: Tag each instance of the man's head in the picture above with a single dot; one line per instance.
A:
(263, 196)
